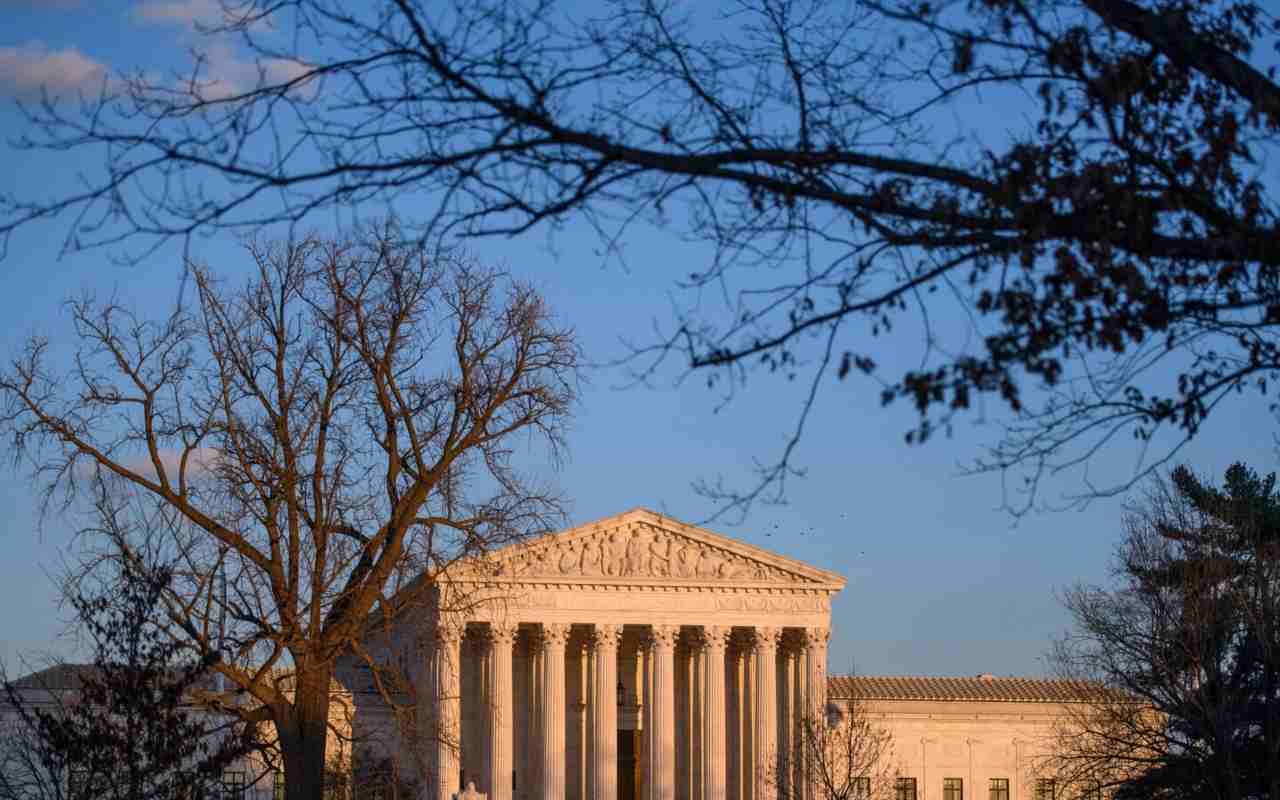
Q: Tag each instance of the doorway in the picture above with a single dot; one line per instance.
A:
(630, 768)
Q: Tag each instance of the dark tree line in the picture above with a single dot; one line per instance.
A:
(129, 726)
(1115, 254)
(1190, 636)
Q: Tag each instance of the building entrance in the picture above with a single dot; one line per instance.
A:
(630, 768)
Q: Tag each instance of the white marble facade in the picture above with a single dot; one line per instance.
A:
(633, 657)
(645, 659)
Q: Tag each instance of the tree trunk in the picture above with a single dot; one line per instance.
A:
(303, 730)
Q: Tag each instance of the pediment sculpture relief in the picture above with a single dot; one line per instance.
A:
(637, 552)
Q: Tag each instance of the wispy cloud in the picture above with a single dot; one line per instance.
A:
(224, 73)
(196, 14)
(179, 12)
(200, 461)
(27, 68)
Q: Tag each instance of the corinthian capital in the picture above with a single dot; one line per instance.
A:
(501, 633)
(607, 636)
(663, 637)
(554, 634)
(766, 637)
(715, 637)
(814, 638)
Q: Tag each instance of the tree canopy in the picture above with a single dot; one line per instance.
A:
(1112, 255)
(311, 449)
(1189, 635)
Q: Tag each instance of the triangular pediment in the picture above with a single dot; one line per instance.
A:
(644, 546)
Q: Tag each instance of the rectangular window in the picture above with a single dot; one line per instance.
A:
(862, 788)
(999, 789)
(952, 789)
(1045, 789)
(904, 789)
(1092, 791)
(232, 785)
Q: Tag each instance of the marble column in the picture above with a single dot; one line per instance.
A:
(662, 776)
(765, 762)
(733, 733)
(787, 716)
(798, 732)
(746, 715)
(446, 695)
(537, 660)
(715, 762)
(502, 638)
(604, 717)
(554, 638)
(693, 712)
(815, 712)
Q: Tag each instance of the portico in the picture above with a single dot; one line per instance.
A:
(634, 657)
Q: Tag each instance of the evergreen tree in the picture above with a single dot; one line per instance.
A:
(1191, 632)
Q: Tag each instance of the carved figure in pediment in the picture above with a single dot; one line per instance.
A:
(637, 553)
(709, 563)
(683, 562)
(592, 558)
(570, 560)
(730, 569)
(660, 556)
(615, 552)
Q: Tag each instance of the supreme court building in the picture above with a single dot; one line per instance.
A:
(640, 657)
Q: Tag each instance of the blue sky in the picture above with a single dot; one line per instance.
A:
(940, 580)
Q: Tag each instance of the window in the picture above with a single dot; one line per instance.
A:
(904, 789)
(862, 788)
(952, 789)
(277, 787)
(1092, 791)
(1045, 789)
(232, 785)
(999, 789)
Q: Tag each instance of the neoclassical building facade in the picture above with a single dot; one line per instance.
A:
(640, 657)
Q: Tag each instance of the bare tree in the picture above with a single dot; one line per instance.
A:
(845, 755)
(1187, 644)
(302, 445)
(1115, 258)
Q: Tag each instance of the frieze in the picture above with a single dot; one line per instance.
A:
(638, 551)
(755, 602)
(539, 597)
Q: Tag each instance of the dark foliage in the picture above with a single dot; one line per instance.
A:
(1114, 253)
(1192, 636)
(130, 729)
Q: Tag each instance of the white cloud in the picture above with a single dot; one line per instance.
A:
(179, 12)
(28, 67)
(200, 461)
(225, 74)
(196, 13)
